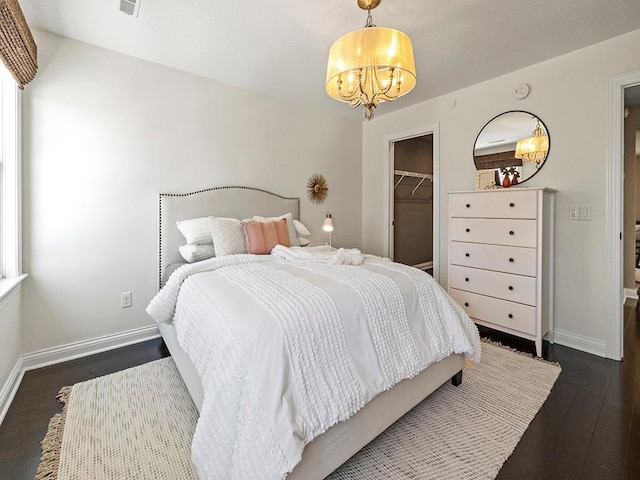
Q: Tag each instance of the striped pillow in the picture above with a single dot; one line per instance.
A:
(261, 237)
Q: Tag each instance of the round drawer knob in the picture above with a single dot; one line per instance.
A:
(512, 204)
(511, 232)
(466, 279)
(467, 255)
(510, 315)
(466, 304)
(468, 205)
(511, 260)
(467, 230)
(510, 287)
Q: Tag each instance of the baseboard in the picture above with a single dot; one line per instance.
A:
(10, 388)
(71, 351)
(631, 293)
(580, 342)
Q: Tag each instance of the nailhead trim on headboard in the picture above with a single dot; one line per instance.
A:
(162, 195)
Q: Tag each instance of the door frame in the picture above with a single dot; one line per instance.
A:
(387, 214)
(615, 211)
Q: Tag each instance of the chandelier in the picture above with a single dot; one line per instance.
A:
(370, 65)
(534, 148)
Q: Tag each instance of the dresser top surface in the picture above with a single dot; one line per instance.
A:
(504, 190)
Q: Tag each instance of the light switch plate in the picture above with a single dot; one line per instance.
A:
(574, 212)
(585, 212)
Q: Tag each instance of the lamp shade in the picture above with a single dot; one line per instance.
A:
(327, 225)
(370, 65)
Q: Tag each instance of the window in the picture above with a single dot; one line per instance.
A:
(10, 168)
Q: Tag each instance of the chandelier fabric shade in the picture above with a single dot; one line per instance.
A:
(369, 66)
(535, 148)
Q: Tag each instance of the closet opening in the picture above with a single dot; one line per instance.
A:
(412, 219)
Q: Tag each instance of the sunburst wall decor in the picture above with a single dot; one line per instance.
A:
(317, 188)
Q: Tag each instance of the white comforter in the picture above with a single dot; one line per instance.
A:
(287, 347)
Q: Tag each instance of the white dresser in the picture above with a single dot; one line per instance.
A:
(501, 259)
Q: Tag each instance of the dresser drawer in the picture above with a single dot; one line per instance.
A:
(520, 260)
(511, 204)
(515, 288)
(515, 233)
(515, 316)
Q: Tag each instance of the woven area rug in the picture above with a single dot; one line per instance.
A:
(138, 424)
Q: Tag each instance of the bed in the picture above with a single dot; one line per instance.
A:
(333, 445)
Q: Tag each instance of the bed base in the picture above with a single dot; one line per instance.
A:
(335, 446)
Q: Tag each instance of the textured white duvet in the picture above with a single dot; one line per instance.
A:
(287, 347)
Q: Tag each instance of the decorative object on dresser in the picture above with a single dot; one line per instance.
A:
(501, 259)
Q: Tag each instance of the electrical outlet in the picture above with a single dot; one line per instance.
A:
(125, 299)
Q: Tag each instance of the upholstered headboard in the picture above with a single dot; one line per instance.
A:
(232, 201)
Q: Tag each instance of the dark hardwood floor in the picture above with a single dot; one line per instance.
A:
(35, 402)
(589, 427)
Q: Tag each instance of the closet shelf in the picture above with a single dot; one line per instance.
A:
(421, 176)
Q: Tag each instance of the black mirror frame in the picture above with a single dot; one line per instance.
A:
(515, 111)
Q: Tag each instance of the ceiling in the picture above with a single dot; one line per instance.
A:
(280, 48)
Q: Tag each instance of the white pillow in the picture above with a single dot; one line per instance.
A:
(195, 253)
(301, 230)
(303, 241)
(228, 236)
(196, 231)
(293, 238)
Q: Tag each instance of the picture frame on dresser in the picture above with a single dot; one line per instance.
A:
(501, 248)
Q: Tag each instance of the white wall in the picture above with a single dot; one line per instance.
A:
(105, 133)
(570, 94)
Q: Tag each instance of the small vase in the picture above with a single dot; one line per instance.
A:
(514, 180)
(506, 183)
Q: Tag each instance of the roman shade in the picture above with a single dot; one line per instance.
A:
(18, 50)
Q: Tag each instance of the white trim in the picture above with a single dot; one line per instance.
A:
(388, 211)
(579, 342)
(551, 287)
(71, 351)
(9, 287)
(614, 208)
(10, 388)
(51, 356)
(387, 190)
(631, 293)
(10, 202)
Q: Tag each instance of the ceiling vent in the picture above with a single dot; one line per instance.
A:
(129, 7)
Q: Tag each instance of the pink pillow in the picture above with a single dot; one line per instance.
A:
(261, 237)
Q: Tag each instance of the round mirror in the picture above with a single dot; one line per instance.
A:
(513, 145)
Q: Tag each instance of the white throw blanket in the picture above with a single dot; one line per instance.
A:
(286, 348)
(321, 254)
